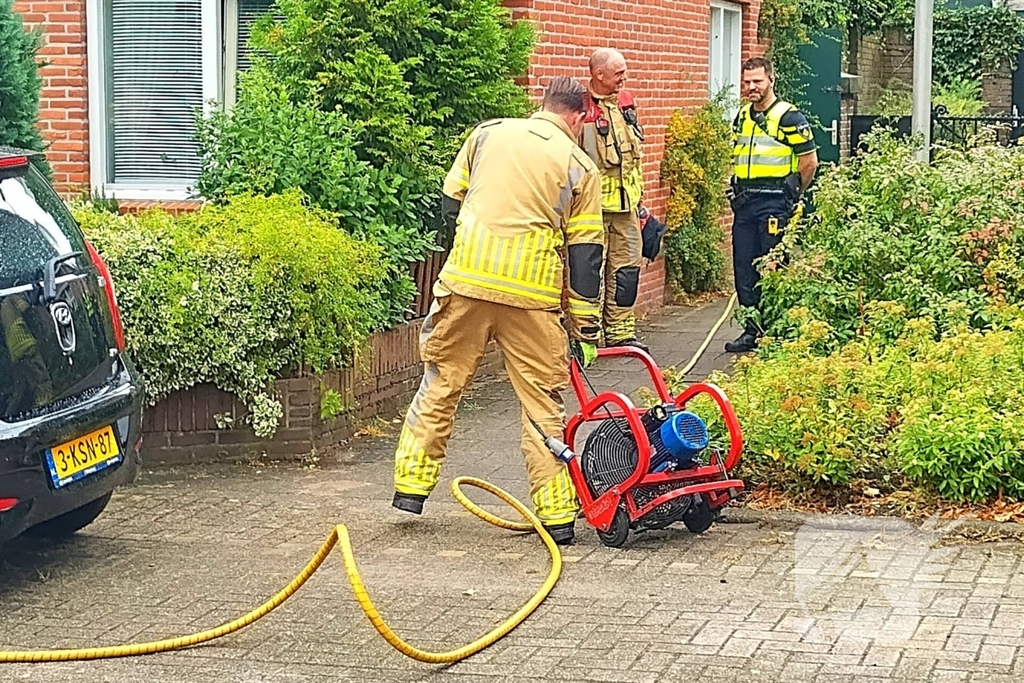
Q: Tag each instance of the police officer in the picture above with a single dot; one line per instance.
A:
(521, 195)
(774, 161)
(611, 137)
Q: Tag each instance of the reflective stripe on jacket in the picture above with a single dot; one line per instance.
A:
(530, 201)
(764, 151)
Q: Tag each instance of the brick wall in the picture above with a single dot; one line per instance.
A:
(899, 56)
(667, 47)
(847, 106)
(880, 59)
(867, 59)
(64, 110)
(183, 427)
(997, 90)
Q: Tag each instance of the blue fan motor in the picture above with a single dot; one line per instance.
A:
(676, 437)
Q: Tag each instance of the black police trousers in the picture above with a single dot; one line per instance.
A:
(751, 240)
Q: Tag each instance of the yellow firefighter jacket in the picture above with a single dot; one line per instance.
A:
(529, 195)
(614, 146)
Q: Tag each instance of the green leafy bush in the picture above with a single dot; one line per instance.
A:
(960, 98)
(896, 323)
(268, 144)
(236, 294)
(889, 228)
(20, 83)
(944, 415)
(363, 105)
(698, 154)
(408, 71)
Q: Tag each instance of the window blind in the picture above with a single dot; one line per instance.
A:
(248, 12)
(156, 88)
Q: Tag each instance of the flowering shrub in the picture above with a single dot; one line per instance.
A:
(896, 321)
(698, 151)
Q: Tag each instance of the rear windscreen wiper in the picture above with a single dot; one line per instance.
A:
(50, 275)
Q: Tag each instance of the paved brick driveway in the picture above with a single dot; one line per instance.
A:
(185, 550)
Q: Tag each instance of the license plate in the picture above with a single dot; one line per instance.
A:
(83, 456)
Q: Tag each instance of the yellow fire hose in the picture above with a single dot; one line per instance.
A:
(339, 537)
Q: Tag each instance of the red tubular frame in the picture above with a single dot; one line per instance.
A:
(711, 480)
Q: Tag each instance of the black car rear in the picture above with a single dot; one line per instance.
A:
(70, 400)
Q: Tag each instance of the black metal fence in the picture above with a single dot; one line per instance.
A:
(970, 131)
(946, 129)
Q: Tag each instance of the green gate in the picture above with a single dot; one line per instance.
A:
(823, 91)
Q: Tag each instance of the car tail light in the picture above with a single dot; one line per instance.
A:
(7, 503)
(111, 298)
(13, 162)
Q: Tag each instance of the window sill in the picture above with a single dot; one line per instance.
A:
(132, 193)
(135, 199)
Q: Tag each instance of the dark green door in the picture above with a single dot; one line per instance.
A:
(823, 90)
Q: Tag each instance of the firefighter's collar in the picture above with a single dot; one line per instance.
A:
(602, 97)
(557, 120)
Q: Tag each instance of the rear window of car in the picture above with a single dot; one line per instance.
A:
(35, 226)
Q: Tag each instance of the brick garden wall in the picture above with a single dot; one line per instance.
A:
(64, 109)
(183, 427)
(877, 59)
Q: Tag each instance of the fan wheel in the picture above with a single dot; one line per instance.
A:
(699, 517)
(618, 532)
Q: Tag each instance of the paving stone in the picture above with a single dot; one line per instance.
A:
(997, 654)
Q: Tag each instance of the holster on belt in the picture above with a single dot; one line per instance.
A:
(792, 188)
(738, 195)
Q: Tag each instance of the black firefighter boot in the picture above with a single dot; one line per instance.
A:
(409, 502)
(562, 534)
(744, 343)
(634, 342)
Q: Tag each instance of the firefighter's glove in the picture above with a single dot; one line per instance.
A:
(584, 352)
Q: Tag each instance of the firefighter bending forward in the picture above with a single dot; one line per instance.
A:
(521, 192)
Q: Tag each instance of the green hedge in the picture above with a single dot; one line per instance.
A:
(697, 163)
(945, 414)
(235, 295)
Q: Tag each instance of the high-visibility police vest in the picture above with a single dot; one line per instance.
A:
(761, 151)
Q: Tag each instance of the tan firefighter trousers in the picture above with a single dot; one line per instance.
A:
(453, 339)
(621, 275)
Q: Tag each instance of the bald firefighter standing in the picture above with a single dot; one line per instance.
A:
(612, 137)
(526, 203)
(774, 161)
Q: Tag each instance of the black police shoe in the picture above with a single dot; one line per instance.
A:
(742, 344)
(409, 502)
(635, 343)
(563, 534)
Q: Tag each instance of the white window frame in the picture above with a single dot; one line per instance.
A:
(230, 53)
(213, 46)
(725, 9)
